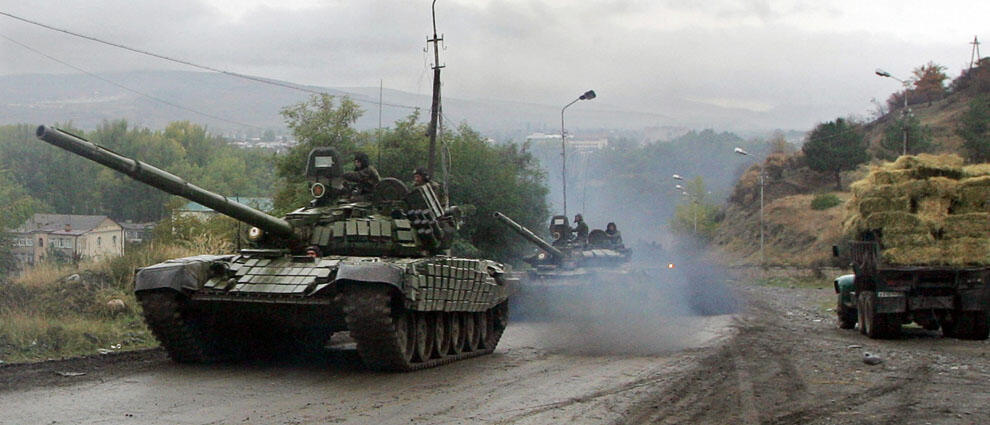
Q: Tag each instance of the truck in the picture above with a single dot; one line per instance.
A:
(883, 297)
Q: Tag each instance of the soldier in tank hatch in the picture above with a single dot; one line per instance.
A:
(421, 177)
(580, 229)
(614, 235)
(364, 175)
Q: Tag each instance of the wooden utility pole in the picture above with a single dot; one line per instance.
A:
(435, 109)
(974, 57)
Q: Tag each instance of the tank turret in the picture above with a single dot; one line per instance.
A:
(341, 219)
(566, 253)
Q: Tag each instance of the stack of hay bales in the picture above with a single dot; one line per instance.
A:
(925, 210)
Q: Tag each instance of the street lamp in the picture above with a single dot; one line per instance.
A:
(762, 181)
(588, 95)
(694, 201)
(904, 110)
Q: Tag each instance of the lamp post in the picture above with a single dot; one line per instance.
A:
(588, 95)
(694, 201)
(762, 180)
(904, 110)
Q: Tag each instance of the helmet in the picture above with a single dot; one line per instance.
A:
(423, 173)
(362, 158)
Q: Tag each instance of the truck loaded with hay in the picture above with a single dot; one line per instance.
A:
(920, 249)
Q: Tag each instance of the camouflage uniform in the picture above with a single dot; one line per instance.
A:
(366, 176)
(581, 229)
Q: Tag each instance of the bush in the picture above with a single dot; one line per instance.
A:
(825, 201)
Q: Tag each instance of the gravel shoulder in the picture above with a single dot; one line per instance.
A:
(790, 364)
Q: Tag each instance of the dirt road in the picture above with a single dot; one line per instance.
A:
(782, 361)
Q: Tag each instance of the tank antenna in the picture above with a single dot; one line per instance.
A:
(435, 109)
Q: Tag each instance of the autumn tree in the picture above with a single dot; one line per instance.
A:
(834, 147)
(929, 82)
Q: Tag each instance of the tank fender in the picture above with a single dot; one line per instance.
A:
(370, 273)
(181, 274)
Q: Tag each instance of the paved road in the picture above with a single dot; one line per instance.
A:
(539, 374)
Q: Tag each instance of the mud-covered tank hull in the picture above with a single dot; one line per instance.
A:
(550, 296)
(404, 314)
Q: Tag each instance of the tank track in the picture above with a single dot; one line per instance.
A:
(183, 339)
(372, 324)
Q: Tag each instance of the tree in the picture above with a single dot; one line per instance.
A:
(919, 137)
(694, 215)
(929, 82)
(834, 147)
(319, 121)
(16, 206)
(974, 128)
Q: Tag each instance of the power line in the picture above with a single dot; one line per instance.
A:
(139, 93)
(263, 80)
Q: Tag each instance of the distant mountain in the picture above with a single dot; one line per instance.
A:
(232, 105)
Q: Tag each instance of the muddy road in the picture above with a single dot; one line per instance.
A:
(780, 361)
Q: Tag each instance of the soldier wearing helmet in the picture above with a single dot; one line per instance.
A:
(364, 175)
(580, 229)
(422, 177)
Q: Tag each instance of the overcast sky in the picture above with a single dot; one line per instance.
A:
(768, 56)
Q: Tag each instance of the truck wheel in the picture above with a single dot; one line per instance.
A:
(846, 316)
(968, 325)
(878, 326)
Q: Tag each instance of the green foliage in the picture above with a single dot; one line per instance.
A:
(974, 128)
(834, 147)
(320, 121)
(824, 201)
(695, 215)
(919, 138)
(68, 184)
(16, 206)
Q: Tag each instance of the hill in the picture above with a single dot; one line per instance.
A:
(797, 235)
(233, 105)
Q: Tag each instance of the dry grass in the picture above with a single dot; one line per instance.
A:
(45, 314)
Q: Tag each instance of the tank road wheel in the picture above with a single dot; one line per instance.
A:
(382, 330)
(497, 321)
(424, 337)
(471, 336)
(181, 333)
(454, 326)
(481, 329)
(441, 335)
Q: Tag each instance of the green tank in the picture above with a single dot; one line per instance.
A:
(374, 264)
(569, 269)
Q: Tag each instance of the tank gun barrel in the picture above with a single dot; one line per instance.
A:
(165, 181)
(529, 235)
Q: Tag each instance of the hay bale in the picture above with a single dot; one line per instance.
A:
(887, 176)
(934, 186)
(895, 222)
(924, 166)
(877, 204)
(907, 239)
(933, 208)
(976, 170)
(903, 256)
(965, 251)
(972, 225)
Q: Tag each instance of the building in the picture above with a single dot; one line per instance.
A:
(192, 209)
(137, 232)
(67, 237)
(553, 140)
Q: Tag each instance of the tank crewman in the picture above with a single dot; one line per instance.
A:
(614, 235)
(364, 174)
(421, 177)
(580, 229)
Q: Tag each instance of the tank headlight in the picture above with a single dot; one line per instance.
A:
(318, 190)
(670, 265)
(542, 256)
(255, 234)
